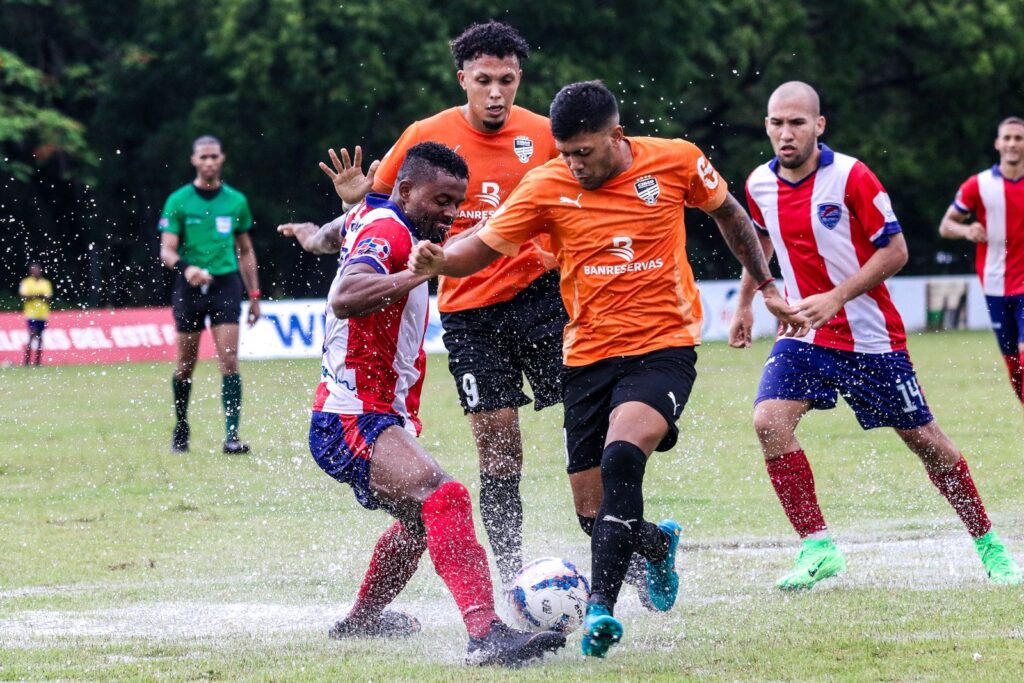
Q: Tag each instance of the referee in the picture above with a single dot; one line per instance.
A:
(204, 236)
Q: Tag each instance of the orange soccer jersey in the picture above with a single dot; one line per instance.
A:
(626, 281)
(497, 162)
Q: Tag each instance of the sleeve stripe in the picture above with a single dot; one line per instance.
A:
(368, 260)
(960, 207)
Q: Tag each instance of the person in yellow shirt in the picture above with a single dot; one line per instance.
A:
(37, 292)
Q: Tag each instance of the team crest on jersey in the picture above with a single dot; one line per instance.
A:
(647, 189)
(523, 147)
(829, 215)
(224, 225)
(376, 248)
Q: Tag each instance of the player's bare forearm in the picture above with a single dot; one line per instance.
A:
(958, 225)
(739, 233)
(882, 265)
(748, 285)
(325, 239)
(362, 290)
(461, 259)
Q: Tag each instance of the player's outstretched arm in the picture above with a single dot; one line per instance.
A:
(738, 231)
(362, 290)
(347, 175)
(883, 264)
(958, 225)
(464, 257)
(324, 239)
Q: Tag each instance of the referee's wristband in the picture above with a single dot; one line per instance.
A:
(255, 294)
(764, 284)
(181, 266)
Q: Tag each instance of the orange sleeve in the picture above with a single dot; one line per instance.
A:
(518, 220)
(387, 172)
(706, 188)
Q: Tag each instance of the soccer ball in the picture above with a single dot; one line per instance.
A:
(550, 593)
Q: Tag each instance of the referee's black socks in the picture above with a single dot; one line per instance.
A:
(617, 528)
(231, 399)
(182, 390)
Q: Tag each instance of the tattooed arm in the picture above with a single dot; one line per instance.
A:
(735, 226)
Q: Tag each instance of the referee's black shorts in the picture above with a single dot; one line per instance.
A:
(662, 379)
(491, 348)
(221, 301)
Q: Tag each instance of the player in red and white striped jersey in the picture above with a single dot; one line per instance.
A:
(830, 221)
(366, 404)
(989, 211)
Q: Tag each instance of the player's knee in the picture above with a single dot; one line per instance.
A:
(767, 423)
(622, 462)
(451, 497)
(586, 523)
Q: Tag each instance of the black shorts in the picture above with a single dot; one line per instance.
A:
(662, 379)
(491, 348)
(221, 300)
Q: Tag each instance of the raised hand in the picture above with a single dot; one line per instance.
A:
(302, 232)
(347, 175)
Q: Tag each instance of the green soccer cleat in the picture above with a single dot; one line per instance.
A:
(817, 560)
(600, 631)
(662, 579)
(999, 565)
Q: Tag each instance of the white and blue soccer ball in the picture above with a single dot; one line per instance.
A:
(549, 594)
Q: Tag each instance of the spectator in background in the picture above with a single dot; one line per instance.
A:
(37, 293)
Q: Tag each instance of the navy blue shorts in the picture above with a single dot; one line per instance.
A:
(1007, 315)
(36, 327)
(343, 444)
(881, 388)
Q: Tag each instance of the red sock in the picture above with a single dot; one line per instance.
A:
(794, 485)
(958, 488)
(394, 561)
(458, 558)
(1014, 363)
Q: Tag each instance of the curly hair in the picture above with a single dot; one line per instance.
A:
(423, 161)
(493, 38)
(585, 107)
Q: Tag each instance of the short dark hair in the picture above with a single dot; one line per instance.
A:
(423, 161)
(493, 38)
(205, 140)
(1008, 120)
(585, 107)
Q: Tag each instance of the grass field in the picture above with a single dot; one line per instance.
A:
(119, 560)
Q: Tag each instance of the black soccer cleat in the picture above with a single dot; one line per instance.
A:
(179, 439)
(235, 447)
(389, 624)
(504, 646)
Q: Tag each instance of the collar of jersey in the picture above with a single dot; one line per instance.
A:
(826, 159)
(997, 174)
(376, 200)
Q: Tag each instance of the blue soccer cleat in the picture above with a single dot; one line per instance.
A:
(662, 579)
(600, 631)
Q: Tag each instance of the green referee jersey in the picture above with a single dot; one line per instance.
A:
(206, 228)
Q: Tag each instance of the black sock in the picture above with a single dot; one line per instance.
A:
(182, 390)
(586, 523)
(636, 572)
(652, 542)
(618, 522)
(501, 508)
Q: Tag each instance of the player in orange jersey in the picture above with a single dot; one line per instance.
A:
(505, 321)
(613, 209)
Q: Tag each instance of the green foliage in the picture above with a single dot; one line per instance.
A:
(101, 100)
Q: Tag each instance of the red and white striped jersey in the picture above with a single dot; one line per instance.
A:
(824, 228)
(998, 204)
(376, 363)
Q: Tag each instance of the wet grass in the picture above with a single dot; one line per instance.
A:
(119, 560)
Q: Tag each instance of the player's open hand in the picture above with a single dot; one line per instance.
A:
(347, 175)
(741, 330)
(792, 322)
(197, 277)
(300, 231)
(426, 258)
(818, 309)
